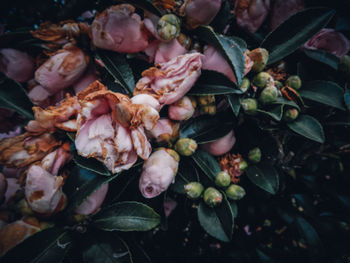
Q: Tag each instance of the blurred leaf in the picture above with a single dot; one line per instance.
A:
(49, 245)
(8, 40)
(207, 163)
(91, 164)
(347, 97)
(308, 127)
(14, 97)
(286, 102)
(323, 57)
(325, 92)
(235, 102)
(208, 89)
(185, 174)
(295, 31)
(127, 216)
(275, 113)
(146, 5)
(264, 176)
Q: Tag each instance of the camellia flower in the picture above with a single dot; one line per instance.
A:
(93, 202)
(220, 146)
(16, 64)
(146, 99)
(232, 164)
(165, 131)
(12, 187)
(39, 96)
(182, 109)
(158, 172)
(84, 82)
(119, 29)
(329, 40)
(111, 127)
(283, 9)
(168, 82)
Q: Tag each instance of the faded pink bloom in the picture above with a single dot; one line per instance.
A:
(119, 29)
(250, 14)
(39, 95)
(181, 110)
(62, 69)
(169, 206)
(200, 12)
(84, 82)
(12, 188)
(16, 64)
(329, 40)
(146, 100)
(170, 81)
(93, 202)
(165, 130)
(12, 133)
(158, 172)
(169, 50)
(283, 9)
(220, 146)
(3, 187)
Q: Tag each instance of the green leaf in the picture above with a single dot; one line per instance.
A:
(146, 5)
(49, 245)
(91, 164)
(235, 102)
(118, 67)
(347, 97)
(207, 163)
(264, 176)
(286, 102)
(14, 97)
(275, 113)
(8, 40)
(325, 92)
(308, 127)
(231, 50)
(127, 216)
(295, 31)
(323, 57)
(186, 173)
(208, 89)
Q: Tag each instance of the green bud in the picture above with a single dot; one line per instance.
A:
(168, 27)
(259, 56)
(344, 65)
(290, 114)
(212, 197)
(23, 208)
(268, 95)
(262, 79)
(186, 146)
(235, 192)
(249, 106)
(294, 82)
(44, 225)
(254, 155)
(194, 190)
(278, 84)
(243, 165)
(245, 85)
(209, 109)
(222, 179)
(206, 100)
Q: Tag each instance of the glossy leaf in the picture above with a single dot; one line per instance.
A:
(275, 113)
(295, 31)
(208, 89)
(186, 173)
(91, 164)
(207, 163)
(347, 97)
(146, 5)
(283, 101)
(235, 103)
(323, 57)
(127, 216)
(264, 176)
(308, 127)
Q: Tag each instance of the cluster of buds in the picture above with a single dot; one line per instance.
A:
(207, 104)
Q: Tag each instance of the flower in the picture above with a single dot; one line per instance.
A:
(119, 29)
(169, 206)
(165, 131)
(168, 82)
(93, 202)
(220, 146)
(182, 109)
(146, 99)
(158, 172)
(84, 81)
(234, 165)
(3, 187)
(283, 9)
(329, 40)
(16, 64)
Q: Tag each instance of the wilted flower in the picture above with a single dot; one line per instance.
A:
(39, 96)
(294, 82)
(235, 192)
(146, 99)
(283, 9)
(234, 165)
(158, 172)
(84, 82)
(329, 40)
(194, 190)
(182, 109)
(93, 202)
(119, 29)
(212, 197)
(169, 50)
(168, 82)
(16, 64)
(220, 146)
(165, 131)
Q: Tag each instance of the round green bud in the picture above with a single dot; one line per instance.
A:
(245, 85)
(168, 27)
(254, 155)
(259, 56)
(205, 100)
(186, 146)
(222, 179)
(249, 106)
(212, 197)
(194, 190)
(262, 79)
(290, 115)
(268, 95)
(278, 84)
(344, 65)
(294, 82)
(209, 109)
(23, 208)
(235, 192)
(243, 165)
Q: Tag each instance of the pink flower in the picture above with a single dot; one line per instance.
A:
(329, 40)
(250, 14)
(169, 206)
(200, 12)
(146, 99)
(39, 95)
(169, 50)
(283, 9)
(158, 172)
(119, 29)
(12, 188)
(170, 81)
(165, 131)
(93, 202)
(84, 82)
(181, 110)
(62, 69)
(16, 64)
(220, 146)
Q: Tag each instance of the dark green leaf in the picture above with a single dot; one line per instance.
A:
(14, 97)
(91, 164)
(308, 127)
(235, 102)
(347, 98)
(275, 113)
(127, 216)
(295, 31)
(264, 176)
(325, 92)
(186, 173)
(146, 5)
(10, 39)
(283, 101)
(208, 89)
(207, 163)
(226, 216)
(323, 57)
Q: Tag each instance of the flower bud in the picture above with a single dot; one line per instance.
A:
(235, 192)
(206, 100)
(249, 106)
(294, 82)
(262, 79)
(221, 145)
(168, 27)
(290, 115)
(194, 190)
(254, 155)
(278, 84)
(260, 56)
(93, 202)
(268, 95)
(243, 165)
(182, 109)
(23, 208)
(212, 197)
(186, 146)
(209, 109)
(165, 131)
(245, 85)
(223, 179)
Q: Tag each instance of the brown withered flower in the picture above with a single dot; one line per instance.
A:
(231, 164)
